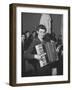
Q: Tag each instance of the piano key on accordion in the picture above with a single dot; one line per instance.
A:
(42, 53)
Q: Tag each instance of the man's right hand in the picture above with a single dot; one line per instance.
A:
(38, 57)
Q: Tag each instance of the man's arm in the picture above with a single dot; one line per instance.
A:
(28, 53)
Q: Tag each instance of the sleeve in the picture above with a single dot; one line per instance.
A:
(28, 53)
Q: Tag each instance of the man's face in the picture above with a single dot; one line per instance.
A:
(23, 37)
(41, 33)
(27, 34)
(34, 33)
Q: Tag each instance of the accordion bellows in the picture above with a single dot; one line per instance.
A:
(47, 52)
(51, 51)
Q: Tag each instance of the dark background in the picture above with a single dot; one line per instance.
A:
(31, 20)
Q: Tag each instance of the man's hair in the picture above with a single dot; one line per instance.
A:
(41, 27)
(33, 31)
(27, 32)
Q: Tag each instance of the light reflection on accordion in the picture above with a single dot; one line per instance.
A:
(47, 52)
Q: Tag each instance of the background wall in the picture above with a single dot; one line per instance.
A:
(31, 20)
(57, 24)
(4, 45)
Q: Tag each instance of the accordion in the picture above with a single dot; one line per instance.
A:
(47, 52)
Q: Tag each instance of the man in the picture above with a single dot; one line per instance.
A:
(27, 40)
(32, 55)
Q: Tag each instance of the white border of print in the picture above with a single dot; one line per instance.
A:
(63, 77)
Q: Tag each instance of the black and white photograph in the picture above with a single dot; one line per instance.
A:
(40, 44)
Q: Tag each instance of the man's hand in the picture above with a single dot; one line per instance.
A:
(38, 57)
